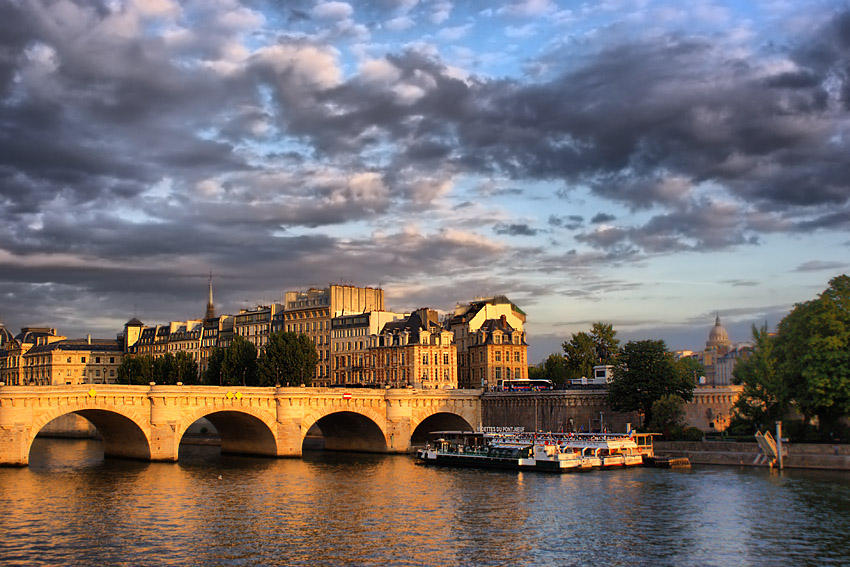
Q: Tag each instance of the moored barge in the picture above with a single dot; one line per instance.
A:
(502, 451)
(550, 452)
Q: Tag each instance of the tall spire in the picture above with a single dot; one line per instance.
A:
(210, 306)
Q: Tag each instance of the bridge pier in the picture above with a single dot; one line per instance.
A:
(14, 445)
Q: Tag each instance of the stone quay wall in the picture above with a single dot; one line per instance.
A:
(798, 455)
(572, 410)
(558, 410)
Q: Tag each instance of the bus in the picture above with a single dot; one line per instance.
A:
(525, 385)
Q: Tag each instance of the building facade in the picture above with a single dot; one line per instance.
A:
(477, 362)
(416, 352)
(310, 313)
(351, 339)
(40, 357)
(496, 352)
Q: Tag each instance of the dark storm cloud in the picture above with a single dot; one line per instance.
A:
(600, 218)
(515, 229)
(570, 222)
(137, 154)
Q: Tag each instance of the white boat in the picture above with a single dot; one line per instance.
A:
(599, 450)
(495, 450)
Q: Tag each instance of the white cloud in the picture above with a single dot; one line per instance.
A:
(400, 24)
(332, 10)
(454, 33)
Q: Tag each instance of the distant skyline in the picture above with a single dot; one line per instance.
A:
(644, 163)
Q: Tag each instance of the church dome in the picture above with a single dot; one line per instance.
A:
(718, 337)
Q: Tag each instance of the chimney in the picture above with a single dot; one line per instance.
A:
(504, 322)
(88, 339)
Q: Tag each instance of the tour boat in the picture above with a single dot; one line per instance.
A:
(603, 450)
(495, 450)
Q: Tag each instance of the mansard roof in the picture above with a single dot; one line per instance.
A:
(99, 345)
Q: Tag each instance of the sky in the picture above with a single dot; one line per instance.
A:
(650, 164)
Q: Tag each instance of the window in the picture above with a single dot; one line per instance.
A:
(445, 358)
(425, 358)
(517, 356)
(97, 360)
(507, 373)
(497, 356)
(497, 373)
(82, 360)
(69, 360)
(445, 373)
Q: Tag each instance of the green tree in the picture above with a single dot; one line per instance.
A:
(215, 364)
(288, 359)
(812, 352)
(764, 399)
(240, 363)
(555, 369)
(691, 367)
(165, 369)
(138, 370)
(668, 414)
(645, 371)
(186, 367)
(586, 350)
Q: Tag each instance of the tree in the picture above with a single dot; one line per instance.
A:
(215, 364)
(764, 399)
(812, 351)
(586, 350)
(186, 368)
(137, 370)
(691, 367)
(288, 359)
(645, 371)
(239, 367)
(668, 414)
(555, 369)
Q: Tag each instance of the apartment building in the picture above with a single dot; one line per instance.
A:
(496, 352)
(255, 325)
(310, 313)
(352, 337)
(12, 362)
(466, 322)
(40, 357)
(416, 352)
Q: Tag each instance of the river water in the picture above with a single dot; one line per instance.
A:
(72, 507)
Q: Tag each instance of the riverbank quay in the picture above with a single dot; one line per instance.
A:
(799, 455)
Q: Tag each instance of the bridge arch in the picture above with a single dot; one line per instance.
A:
(123, 432)
(344, 429)
(242, 430)
(436, 419)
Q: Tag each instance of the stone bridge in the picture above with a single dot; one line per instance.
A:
(148, 422)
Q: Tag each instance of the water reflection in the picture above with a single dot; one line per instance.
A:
(72, 507)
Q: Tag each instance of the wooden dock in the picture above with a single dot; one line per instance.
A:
(667, 462)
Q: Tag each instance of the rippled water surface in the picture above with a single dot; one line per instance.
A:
(72, 507)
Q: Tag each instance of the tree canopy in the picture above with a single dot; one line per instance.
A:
(288, 359)
(764, 399)
(645, 371)
(167, 369)
(586, 350)
(812, 351)
(804, 367)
